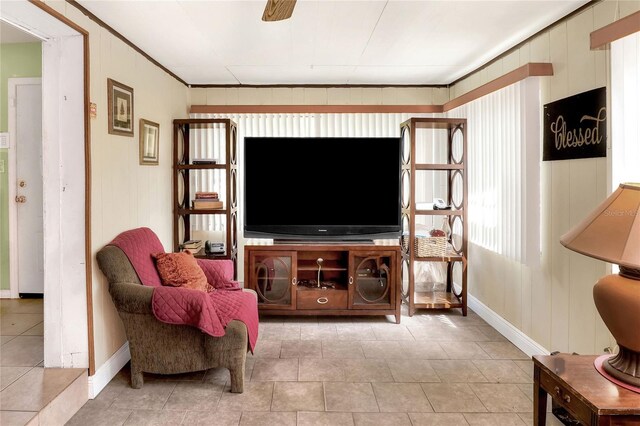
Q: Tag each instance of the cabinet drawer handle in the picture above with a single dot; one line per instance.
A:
(294, 281)
(556, 389)
(322, 300)
(567, 398)
(350, 280)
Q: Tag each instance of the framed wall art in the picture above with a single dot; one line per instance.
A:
(149, 142)
(120, 107)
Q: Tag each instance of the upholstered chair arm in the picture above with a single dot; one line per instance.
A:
(131, 297)
(219, 272)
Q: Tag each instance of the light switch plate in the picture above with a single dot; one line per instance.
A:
(4, 140)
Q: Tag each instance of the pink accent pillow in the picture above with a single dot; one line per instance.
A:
(181, 270)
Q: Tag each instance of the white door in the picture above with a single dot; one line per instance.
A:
(28, 246)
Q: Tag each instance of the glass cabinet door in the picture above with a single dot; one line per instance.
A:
(273, 277)
(370, 281)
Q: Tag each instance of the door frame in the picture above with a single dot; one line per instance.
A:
(12, 86)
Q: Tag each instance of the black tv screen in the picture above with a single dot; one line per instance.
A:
(322, 188)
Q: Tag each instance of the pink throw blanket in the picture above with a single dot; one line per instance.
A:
(210, 312)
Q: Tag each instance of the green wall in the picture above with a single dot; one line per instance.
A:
(16, 60)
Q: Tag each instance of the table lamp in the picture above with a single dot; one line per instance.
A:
(612, 233)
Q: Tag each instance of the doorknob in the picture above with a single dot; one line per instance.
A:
(21, 199)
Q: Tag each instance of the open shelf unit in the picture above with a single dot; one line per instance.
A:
(216, 137)
(442, 143)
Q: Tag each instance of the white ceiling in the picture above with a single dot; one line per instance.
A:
(10, 34)
(328, 41)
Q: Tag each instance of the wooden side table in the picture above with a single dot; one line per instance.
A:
(575, 384)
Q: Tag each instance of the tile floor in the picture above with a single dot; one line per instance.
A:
(435, 368)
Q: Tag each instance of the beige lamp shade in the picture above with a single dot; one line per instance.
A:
(612, 231)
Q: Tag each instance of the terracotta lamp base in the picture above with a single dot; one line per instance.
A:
(617, 298)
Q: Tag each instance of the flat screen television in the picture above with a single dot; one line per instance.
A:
(322, 188)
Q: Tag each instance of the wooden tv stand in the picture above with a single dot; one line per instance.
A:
(355, 279)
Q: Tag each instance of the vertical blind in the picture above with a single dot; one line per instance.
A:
(496, 164)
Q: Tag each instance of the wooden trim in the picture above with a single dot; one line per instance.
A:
(529, 70)
(87, 175)
(125, 40)
(316, 86)
(615, 30)
(532, 69)
(321, 109)
(523, 42)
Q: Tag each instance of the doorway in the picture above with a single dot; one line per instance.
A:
(25, 187)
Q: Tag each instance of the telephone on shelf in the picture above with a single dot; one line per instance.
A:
(439, 204)
(212, 247)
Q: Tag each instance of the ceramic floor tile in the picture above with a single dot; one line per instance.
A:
(401, 397)
(452, 398)
(298, 396)
(503, 350)
(218, 418)
(366, 370)
(23, 351)
(382, 350)
(492, 334)
(381, 419)
(194, 396)
(315, 332)
(438, 419)
(256, 397)
(21, 306)
(9, 375)
(275, 370)
(355, 332)
(403, 350)
(350, 397)
(502, 371)
(152, 396)
(552, 420)
(155, 418)
(527, 390)
(266, 349)
(412, 370)
(220, 375)
(393, 332)
(301, 349)
(256, 418)
(6, 339)
(526, 366)
(341, 349)
(320, 370)
(464, 350)
(447, 334)
(459, 371)
(16, 324)
(16, 418)
(485, 419)
(99, 417)
(325, 419)
(501, 398)
(36, 330)
(37, 388)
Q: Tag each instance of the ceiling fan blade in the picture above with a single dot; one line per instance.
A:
(278, 10)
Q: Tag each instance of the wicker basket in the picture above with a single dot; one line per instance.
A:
(428, 246)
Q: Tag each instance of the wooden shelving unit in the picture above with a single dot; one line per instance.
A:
(447, 140)
(222, 139)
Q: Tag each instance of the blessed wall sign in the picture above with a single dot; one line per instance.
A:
(576, 127)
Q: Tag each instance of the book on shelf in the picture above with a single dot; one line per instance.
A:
(192, 244)
(207, 204)
(203, 161)
(202, 195)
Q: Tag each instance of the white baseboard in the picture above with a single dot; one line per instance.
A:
(108, 370)
(525, 343)
(5, 294)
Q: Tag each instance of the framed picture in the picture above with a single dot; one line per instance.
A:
(149, 142)
(120, 106)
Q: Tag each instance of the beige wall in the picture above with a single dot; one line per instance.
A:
(553, 303)
(320, 96)
(124, 194)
